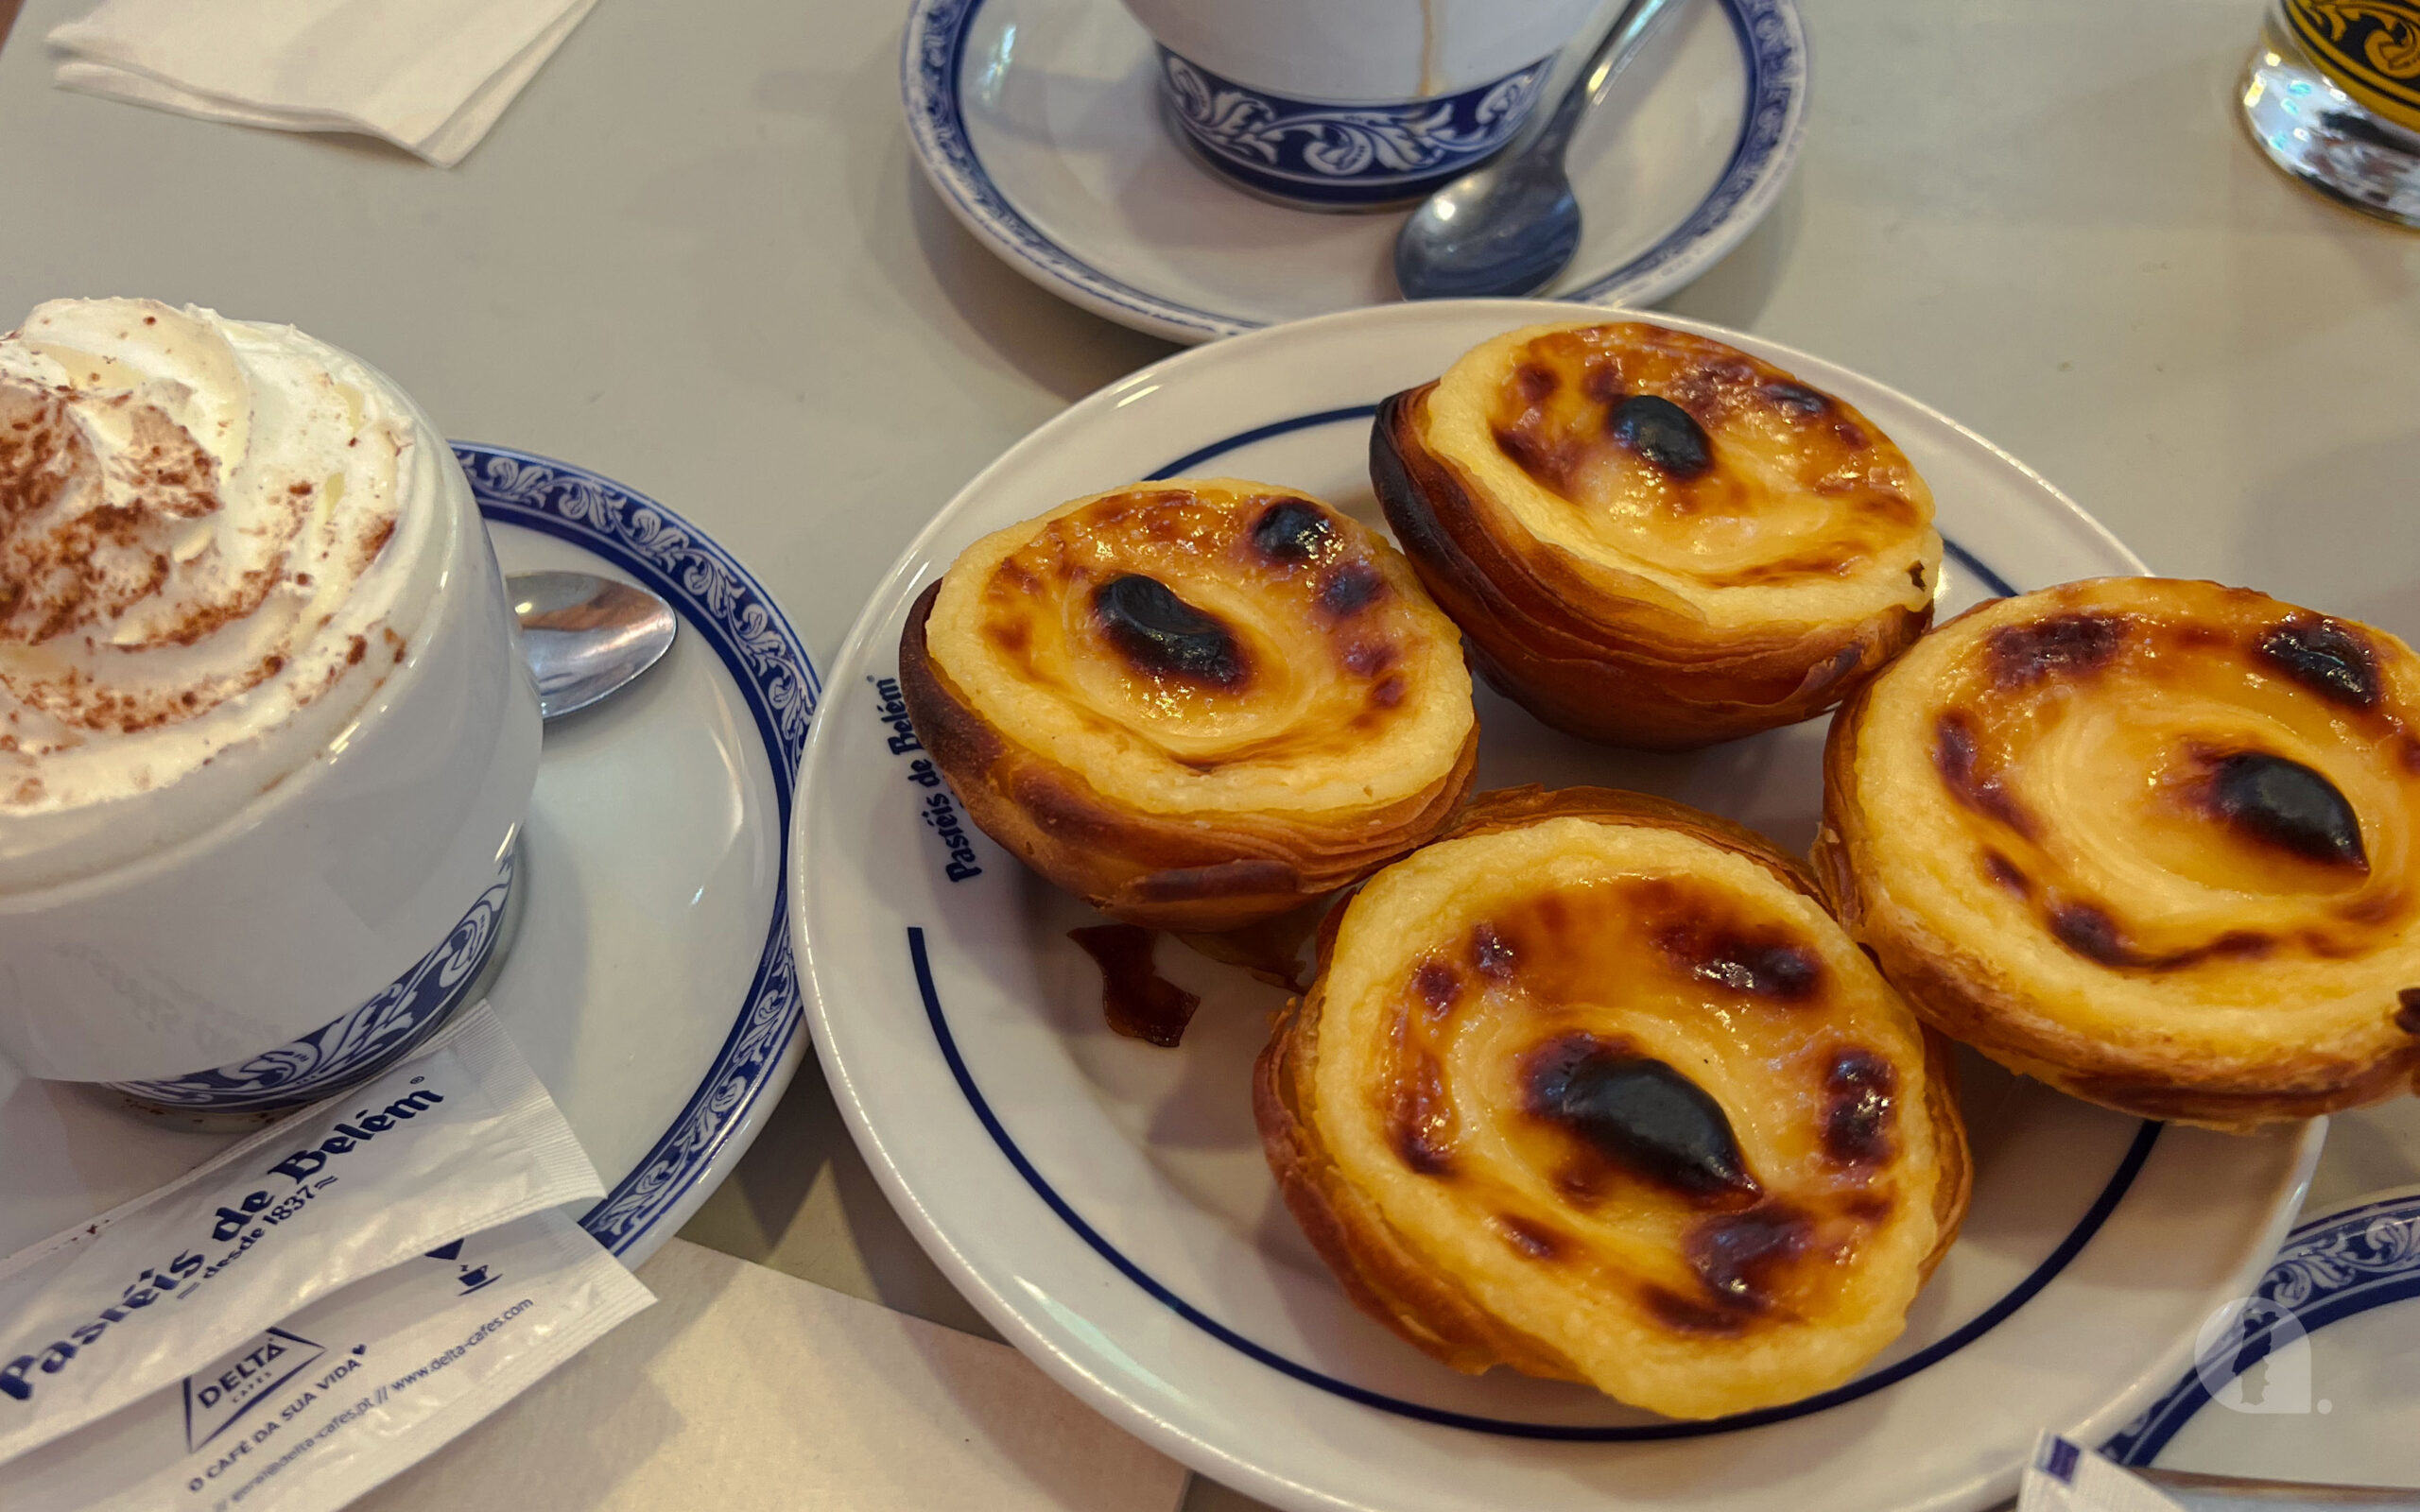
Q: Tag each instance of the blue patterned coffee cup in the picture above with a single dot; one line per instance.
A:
(1343, 156)
(1352, 104)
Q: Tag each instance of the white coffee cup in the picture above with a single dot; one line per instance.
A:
(1353, 104)
(334, 919)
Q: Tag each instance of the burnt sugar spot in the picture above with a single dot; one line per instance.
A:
(2006, 873)
(1438, 984)
(1685, 1314)
(1015, 638)
(2064, 646)
(1956, 757)
(1529, 1237)
(1419, 1119)
(1639, 1114)
(1662, 435)
(2091, 931)
(1779, 969)
(1863, 1090)
(1796, 399)
(1552, 464)
(1492, 955)
(1366, 659)
(1602, 382)
(1163, 635)
(2087, 930)
(1350, 588)
(1535, 383)
(1742, 1256)
(2282, 804)
(1387, 691)
(1867, 1206)
(2327, 656)
(2407, 1010)
(1291, 530)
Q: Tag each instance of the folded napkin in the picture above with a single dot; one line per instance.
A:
(429, 75)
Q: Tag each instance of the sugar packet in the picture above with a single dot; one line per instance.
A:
(459, 1139)
(2066, 1477)
(309, 1414)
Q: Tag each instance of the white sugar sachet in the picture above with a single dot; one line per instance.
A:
(2066, 1477)
(459, 1139)
(307, 1415)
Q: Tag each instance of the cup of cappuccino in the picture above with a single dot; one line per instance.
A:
(266, 737)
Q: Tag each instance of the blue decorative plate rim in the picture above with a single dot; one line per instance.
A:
(732, 614)
(1773, 44)
(2332, 1267)
(2005, 1305)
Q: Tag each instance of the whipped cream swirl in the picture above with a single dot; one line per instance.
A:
(211, 537)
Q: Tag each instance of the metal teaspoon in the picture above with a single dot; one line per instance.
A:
(1509, 227)
(586, 637)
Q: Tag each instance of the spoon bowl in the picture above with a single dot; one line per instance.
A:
(585, 637)
(1506, 229)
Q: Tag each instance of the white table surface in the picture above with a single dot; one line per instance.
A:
(697, 256)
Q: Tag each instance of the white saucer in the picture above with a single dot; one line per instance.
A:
(651, 984)
(1107, 1206)
(1038, 123)
(2316, 1377)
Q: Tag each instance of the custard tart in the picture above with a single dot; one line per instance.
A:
(1597, 1090)
(1194, 703)
(2149, 841)
(1653, 538)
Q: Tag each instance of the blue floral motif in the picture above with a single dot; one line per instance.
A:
(1331, 154)
(1772, 46)
(358, 1045)
(2333, 1267)
(730, 612)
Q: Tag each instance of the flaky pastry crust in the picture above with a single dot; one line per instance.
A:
(1445, 1110)
(1194, 703)
(1653, 538)
(2150, 841)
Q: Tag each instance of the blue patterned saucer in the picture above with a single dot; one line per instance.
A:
(2309, 1377)
(1041, 123)
(650, 980)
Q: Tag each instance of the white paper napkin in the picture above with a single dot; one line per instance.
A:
(429, 75)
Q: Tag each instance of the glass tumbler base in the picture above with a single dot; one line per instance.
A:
(2321, 136)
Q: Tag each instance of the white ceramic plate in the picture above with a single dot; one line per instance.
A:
(1106, 1204)
(1038, 123)
(651, 984)
(2316, 1377)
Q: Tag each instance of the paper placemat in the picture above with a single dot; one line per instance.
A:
(745, 1388)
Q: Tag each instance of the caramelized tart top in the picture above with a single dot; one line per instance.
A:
(1671, 468)
(1644, 1068)
(2195, 789)
(1198, 645)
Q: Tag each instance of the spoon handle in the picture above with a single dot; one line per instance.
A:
(1621, 44)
